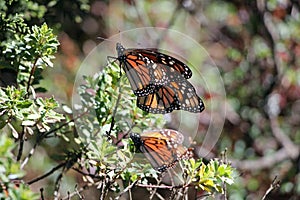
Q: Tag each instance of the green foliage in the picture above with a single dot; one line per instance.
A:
(116, 114)
(14, 29)
(25, 51)
(21, 113)
(10, 170)
(211, 177)
(31, 51)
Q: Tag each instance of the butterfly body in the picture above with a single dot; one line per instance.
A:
(159, 81)
(163, 148)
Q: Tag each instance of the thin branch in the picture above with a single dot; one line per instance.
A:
(155, 190)
(47, 174)
(170, 23)
(265, 162)
(108, 133)
(42, 195)
(30, 76)
(39, 139)
(289, 146)
(86, 174)
(20, 152)
(68, 165)
(76, 192)
(163, 186)
(275, 184)
(125, 135)
(129, 187)
(42, 136)
(57, 185)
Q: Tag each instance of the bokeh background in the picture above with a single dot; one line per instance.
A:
(256, 46)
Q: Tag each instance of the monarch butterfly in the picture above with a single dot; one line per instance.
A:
(146, 68)
(175, 96)
(159, 81)
(163, 148)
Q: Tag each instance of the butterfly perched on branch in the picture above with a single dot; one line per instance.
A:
(163, 148)
(159, 81)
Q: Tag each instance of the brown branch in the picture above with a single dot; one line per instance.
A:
(20, 152)
(262, 163)
(163, 186)
(273, 185)
(47, 174)
(57, 185)
(112, 124)
(291, 149)
(127, 189)
(30, 76)
(39, 139)
(42, 193)
(76, 192)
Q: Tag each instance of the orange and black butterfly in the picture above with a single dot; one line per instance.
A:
(174, 96)
(163, 148)
(159, 81)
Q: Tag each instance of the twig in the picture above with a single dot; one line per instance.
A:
(30, 76)
(78, 193)
(42, 195)
(39, 139)
(262, 163)
(155, 190)
(127, 189)
(47, 174)
(68, 165)
(42, 136)
(163, 186)
(275, 184)
(170, 23)
(20, 152)
(57, 185)
(114, 112)
(289, 146)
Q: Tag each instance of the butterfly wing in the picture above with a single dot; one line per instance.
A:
(164, 59)
(162, 101)
(161, 147)
(146, 68)
(136, 70)
(174, 96)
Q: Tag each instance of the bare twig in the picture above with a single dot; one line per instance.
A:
(57, 185)
(262, 163)
(76, 192)
(39, 139)
(68, 165)
(108, 133)
(289, 146)
(127, 189)
(20, 152)
(30, 76)
(163, 186)
(155, 190)
(275, 184)
(170, 23)
(47, 174)
(45, 135)
(42, 195)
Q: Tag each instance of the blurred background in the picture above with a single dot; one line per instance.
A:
(256, 47)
